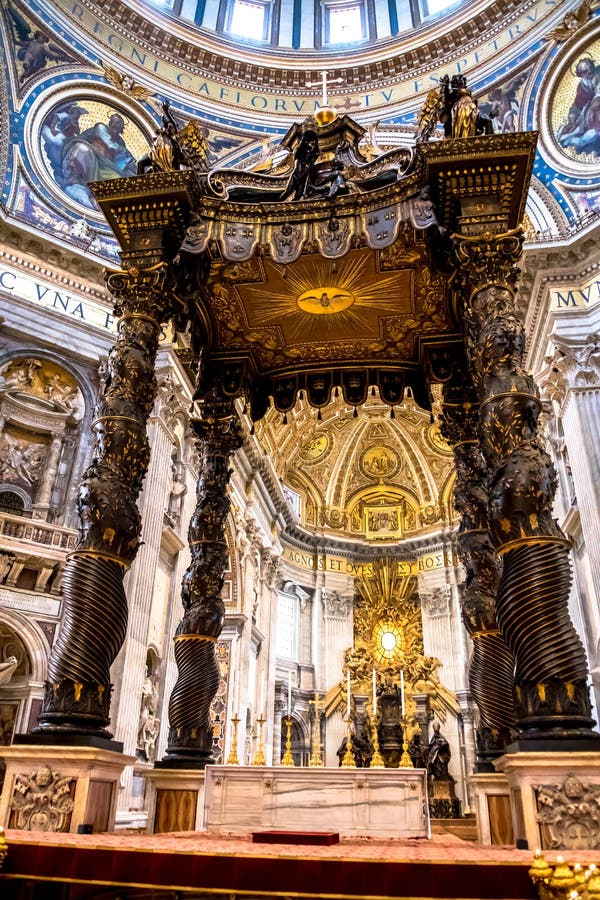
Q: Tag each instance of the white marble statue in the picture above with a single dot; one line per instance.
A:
(7, 670)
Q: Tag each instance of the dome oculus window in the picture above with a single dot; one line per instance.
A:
(249, 19)
(345, 23)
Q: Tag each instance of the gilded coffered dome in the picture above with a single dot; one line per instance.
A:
(368, 476)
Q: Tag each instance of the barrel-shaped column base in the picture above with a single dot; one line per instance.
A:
(188, 749)
(75, 708)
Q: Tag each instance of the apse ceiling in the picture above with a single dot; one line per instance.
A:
(362, 474)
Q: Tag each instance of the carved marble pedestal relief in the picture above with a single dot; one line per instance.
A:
(45, 793)
(555, 798)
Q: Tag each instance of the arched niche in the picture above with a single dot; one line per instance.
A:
(21, 694)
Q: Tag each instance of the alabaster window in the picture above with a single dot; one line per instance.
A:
(287, 625)
(345, 22)
(249, 19)
(438, 7)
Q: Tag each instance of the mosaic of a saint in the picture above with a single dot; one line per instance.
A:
(84, 141)
(576, 107)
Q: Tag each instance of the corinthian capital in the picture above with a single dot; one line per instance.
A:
(489, 258)
(143, 291)
(577, 361)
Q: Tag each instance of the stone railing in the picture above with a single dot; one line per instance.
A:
(18, 531)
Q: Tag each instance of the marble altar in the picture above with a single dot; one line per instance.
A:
(366, 802)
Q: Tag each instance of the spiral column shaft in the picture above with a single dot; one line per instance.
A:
(77, 695)
(532, 600)
(218, 435)
(491, 668)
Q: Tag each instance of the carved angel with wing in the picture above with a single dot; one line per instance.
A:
(126, 83)
(571, 23)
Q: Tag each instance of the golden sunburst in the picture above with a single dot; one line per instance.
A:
(319, 299)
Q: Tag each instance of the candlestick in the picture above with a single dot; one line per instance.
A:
(233, 758)
(289, 694)
(374, 693)
(259, 757)
(287, 759)
(349, 759)
(402, 692)
(377, 760)
(315, 757)
(405, 760)
(348, 694)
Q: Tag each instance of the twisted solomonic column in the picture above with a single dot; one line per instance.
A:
(491, 668)
(218, 435)
(552, 700)
(78, 689)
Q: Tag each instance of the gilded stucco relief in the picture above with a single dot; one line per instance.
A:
(369, 476)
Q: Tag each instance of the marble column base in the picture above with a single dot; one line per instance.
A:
(555, 799)
(175, 800)
(50, 788)
(492, 807)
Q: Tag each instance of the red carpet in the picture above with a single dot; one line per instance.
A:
(320, 838)
(354, 868)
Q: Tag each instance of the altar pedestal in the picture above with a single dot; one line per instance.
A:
(56, 788)
(555, 798)
(369, 802)
(492, 803)
(175, 800)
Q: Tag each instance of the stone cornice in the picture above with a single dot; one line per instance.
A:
(377, 66)
(68, 270)
(570, 262)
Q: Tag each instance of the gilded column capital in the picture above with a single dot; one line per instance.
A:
(488, 259)
(143, 291)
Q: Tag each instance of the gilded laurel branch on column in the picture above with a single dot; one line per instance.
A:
(218, 435)
(77, 695)
(491, 668)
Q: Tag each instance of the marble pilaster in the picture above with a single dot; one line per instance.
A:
(146, 604)
(338, 635)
